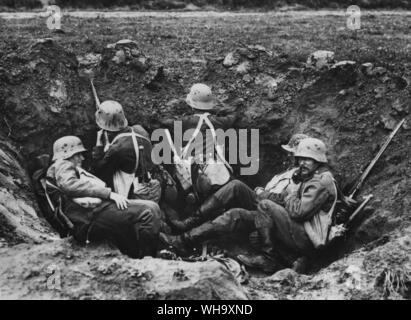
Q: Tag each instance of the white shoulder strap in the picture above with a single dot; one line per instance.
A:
(171, 142)
(107, 143)
(336, 197)
(128, 134)
(218, 150)
(136, 150)
(195, 133)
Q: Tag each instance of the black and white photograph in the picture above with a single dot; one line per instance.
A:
(227, 151)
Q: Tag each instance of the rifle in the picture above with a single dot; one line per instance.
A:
(358, 210)
(366, 172)
(105, 139)
(95, 95)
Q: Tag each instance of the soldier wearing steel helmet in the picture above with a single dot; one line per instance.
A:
(239, 219)
(300, 220)
(115, 152)
(294, 216)
(215, 199)
(116, 161)
(286, 180)
(97, 212)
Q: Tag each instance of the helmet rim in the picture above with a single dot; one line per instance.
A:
(110, 116)
(60, 153)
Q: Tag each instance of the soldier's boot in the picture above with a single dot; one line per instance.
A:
(261, 262)
(187, 224)
(267, 260)
(301, 265)
(184, 244)
(175, 244)
(210, 209)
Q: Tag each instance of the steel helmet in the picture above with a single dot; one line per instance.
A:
(110, 116)
(66, 147)
(201, 97)
(312, 148)
(294, 142)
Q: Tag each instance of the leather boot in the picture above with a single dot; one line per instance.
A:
(148, 245)
(185, 243)
(265, 239)
(202, 233)
(260, 262)
(301, 265)
(187, 224)
(177, 244)
(209, 210)
(267, 261)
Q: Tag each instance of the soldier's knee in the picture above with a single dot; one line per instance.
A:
(154, 209)
(154, 221)
(238, 185)
(148, 216)
(268, 206)
(227, 219)
(235, 217)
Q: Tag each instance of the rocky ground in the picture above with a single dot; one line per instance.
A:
(259, 64)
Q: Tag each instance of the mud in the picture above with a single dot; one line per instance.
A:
(63, 270)
(45, 94)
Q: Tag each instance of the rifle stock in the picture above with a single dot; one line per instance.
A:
(366, 172)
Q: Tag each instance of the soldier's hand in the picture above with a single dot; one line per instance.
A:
(263, 195)
(258, 190)
(100, 138)
(276, 197)
(264, 205)
(121, 201)
(351, 202)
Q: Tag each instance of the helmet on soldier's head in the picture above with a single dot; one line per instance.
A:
(110, 116)
(294, 142)
(312, 148)
(66, 147)
(201, 97)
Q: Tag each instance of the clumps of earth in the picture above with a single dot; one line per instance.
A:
(353, 106)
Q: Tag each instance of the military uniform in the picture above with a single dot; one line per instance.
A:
(290, 225)
(121, 155)
(216, 200)
(133, 230)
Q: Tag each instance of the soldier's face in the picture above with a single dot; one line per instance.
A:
(77, 159)
(307, 165)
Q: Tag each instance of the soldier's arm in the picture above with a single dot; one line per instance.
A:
(225, 122)
(313, 197)
(275, 197)
(67, 180)
(141, 131)
(106, 163)
(98, 153)
(189, 122)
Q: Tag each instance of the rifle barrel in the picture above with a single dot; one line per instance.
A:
(375, 159)
(95, 95)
